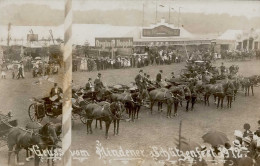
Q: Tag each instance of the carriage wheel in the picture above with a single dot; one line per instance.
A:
(32, 113)
(83, 117)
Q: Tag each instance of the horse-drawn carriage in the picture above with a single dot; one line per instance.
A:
(45, 107)
(6, 122)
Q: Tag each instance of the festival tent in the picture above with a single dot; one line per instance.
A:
(88, 32)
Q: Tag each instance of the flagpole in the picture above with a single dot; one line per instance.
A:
(143, 16)
(169, 14)
(156, 13)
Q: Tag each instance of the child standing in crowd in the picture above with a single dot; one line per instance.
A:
(3, 74)
(13, 73)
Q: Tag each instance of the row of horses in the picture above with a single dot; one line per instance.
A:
(109, 105)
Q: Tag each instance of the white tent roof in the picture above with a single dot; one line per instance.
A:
(88, 32)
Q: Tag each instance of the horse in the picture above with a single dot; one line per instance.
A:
(127, 99)
(137, 97)
(162, 96)
(103, 95)
(24, 139)
(178, 96)
(187, 94)
(250, 82)
(236, 85)
(105, 112)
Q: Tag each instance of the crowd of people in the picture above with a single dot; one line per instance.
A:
(239, 54)
(246, 143)
(16, 70)
(157, 57)
(40, 69)
(162, 57)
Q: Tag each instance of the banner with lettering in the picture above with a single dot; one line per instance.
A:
(126, 42)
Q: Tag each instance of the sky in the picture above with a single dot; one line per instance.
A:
(235, 8)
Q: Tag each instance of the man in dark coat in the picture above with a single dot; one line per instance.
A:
(55, 97)
(98, 83)
(56, 91)
(20, 72)
(139, 80)
(89, 85)
(159, 78)
(222, 68)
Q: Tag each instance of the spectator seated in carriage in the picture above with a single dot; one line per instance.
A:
(89, 86)
(55, 100)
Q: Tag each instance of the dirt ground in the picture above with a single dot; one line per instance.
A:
(149, 130)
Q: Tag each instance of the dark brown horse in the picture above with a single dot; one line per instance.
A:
(137, 97)
(128, 101)
(105, 112)
(24, 139)
(178, 96)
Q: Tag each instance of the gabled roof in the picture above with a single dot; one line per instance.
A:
(230, 34)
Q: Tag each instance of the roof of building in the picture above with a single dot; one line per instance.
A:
(232, 34)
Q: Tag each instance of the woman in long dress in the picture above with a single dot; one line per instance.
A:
(82, 65)
(85, 65)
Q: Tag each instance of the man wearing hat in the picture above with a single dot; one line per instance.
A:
(89, 85)
(159, 78)
(172, 75)
(139, 80)
(247, 131)
(98, 83)
(222, 69)
(56, 91)
(145, 81)
(55, 97)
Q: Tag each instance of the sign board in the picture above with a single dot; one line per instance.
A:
(161, 31)
(32, 37)
(114, 42)
(169, 43)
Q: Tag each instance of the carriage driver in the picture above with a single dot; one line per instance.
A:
(139, 80)
(89, 85)
(98, 83)
(159, 78)
(55, 96)
(56, 91)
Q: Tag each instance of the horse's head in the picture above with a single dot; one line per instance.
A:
(117, 108)
(144, 94)
(48, 133)
(258, 79)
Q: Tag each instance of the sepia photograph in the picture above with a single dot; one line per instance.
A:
(31, 49)
(130, 82)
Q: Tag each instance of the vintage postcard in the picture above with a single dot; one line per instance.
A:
(153, 82)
